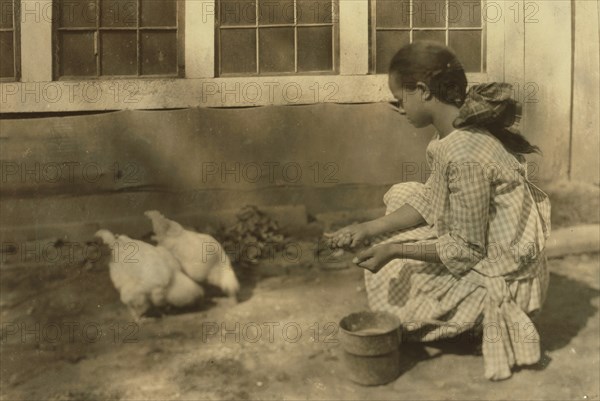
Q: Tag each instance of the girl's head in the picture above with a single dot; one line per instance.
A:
(428, 66)
(426, 75)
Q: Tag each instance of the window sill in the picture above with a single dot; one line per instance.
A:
(148, 93)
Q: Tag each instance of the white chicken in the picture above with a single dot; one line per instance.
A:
(201, 256)
(147, 275)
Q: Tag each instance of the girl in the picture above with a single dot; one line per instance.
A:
(465, 248)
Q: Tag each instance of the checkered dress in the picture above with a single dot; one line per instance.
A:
(489, 224)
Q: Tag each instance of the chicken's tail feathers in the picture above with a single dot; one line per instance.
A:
(106, 236)
(224, 277)
(229, 283)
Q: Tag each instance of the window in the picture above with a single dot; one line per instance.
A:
(116, 38)
(269, 51)
(9, 40)
(456, 23)
(267, 37)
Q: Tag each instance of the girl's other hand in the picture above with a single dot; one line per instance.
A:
(348, 237)
(373, 259)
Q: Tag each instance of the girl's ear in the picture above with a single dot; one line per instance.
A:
(425, 92)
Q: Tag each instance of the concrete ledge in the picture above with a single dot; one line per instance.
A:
(139, 226)
(574, 240)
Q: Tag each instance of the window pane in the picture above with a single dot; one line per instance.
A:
(77, 13)
(314, 11)
(115, 13)
(76, 54)
(393, 13)
(429, 13)
(159, 52)
(237, 12)
(436, 36)
(388, 43)
(275, 12)
(276, 49)
(119, 53)
(315, 49)
(7, 61)
(463, 13)
(467, 46)
(158, 13)
(238, 51)
(6, 13)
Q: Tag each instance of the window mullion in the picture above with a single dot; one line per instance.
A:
(373, 32)
(295, 37)
(97, 39)
(411, 6)
(447, 21)
(138, 39)
(256, 14)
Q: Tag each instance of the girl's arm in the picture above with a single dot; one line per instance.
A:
(416, 211)
(404, 217)
(375, 258)
(465, 244)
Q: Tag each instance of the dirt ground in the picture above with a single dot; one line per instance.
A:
(66, 336)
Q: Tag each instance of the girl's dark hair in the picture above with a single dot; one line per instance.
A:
(437, 66)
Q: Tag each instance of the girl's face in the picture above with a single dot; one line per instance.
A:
(411, 103)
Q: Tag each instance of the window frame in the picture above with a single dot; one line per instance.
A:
(353, 83)
(16, 31)
(411, 29)
(180, 35)
(334, 39)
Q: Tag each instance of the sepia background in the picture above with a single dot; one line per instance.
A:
(197, 108)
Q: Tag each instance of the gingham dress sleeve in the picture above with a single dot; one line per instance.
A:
(469, 191)
(421, 201)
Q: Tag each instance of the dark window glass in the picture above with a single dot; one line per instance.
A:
(158, 13)
(119, 52)
(77, 55)
(315, 49)
(393, 14)
(276, 46)
(7, 50)
(467, 46)
(9, 40)
(159, 53)
(238, 50)
(463, 13)
(237, 12)
(429, 13)
(388, 42)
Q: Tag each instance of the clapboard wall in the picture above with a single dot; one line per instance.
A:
(347, 155)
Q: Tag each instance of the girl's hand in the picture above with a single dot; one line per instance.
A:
(348, 237)
(373, 259)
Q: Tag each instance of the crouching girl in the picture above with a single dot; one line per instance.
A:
(465, 249)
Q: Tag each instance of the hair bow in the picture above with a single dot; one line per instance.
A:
(490, 104)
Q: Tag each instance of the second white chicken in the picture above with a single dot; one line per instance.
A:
(201, 256)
